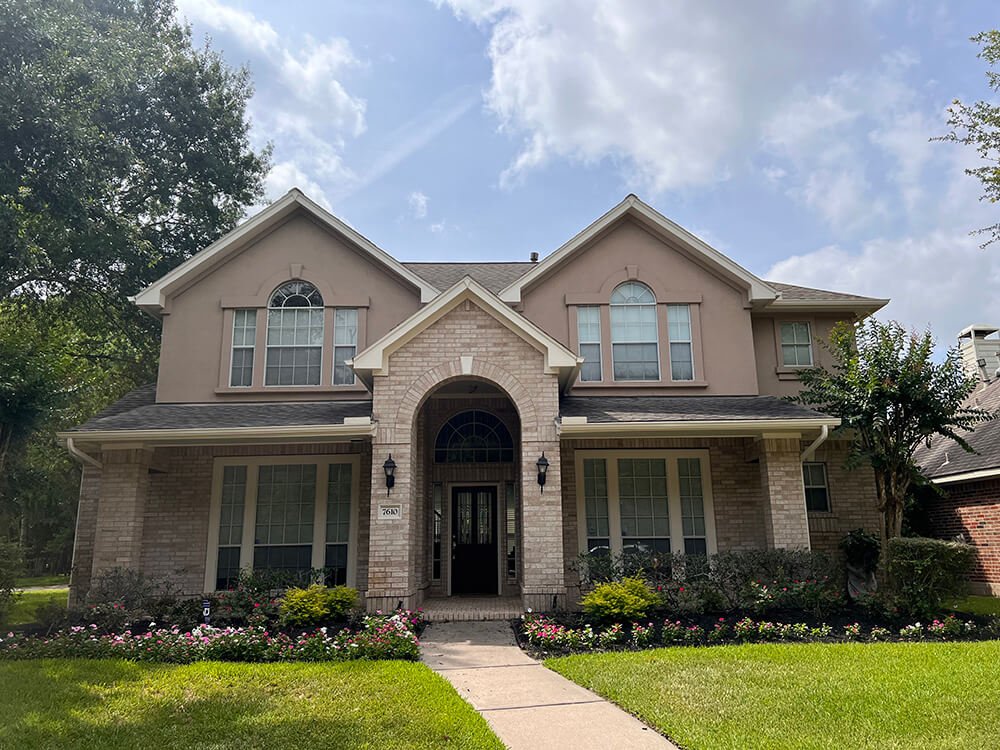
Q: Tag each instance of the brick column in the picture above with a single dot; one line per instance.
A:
(83, 538)
(543, 577)
(121, 509)
(786, 524)
(392, 575)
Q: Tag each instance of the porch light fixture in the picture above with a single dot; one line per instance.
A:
(389, 467)
(543, 466)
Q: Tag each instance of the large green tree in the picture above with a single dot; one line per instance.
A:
(124, 149)
(891, 396)
(978, 125)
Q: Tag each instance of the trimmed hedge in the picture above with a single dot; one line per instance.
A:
(927, 572)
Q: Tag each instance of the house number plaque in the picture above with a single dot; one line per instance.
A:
(390, 512)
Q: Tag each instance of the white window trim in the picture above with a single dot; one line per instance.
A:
(333, 351)
(781, 345)
(253, 464)
(233, 348)
(689, 341)
(655, 304)
(599, 343)
(673, 496)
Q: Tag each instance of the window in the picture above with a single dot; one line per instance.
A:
(234, 483)
(817, 491)
(338, 523)
(679, 332)
(345, 344)
(437, 529)
(292, 514)
(645, 501)
(796, 345)
(588, 320)
(510, 490)
(244, 339)
(294, 335)
(474, 437)
(595, 493)
(642, 497)
(634, 338)
(286, 502)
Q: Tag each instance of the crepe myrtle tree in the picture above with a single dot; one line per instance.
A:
(891, 396)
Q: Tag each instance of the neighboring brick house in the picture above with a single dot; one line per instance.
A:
(647, 368)
(970, 482)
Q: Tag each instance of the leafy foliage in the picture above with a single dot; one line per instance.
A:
(10, 568)
(620, 601)
(925, 573)
(891, 396)
(317, 604)
(978, 125)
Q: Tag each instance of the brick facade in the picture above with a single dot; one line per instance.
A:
(972, 509)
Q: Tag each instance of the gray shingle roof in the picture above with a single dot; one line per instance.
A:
(945, 457)
(496, 276)
(682, 408)
(138, 411)
(493, 276)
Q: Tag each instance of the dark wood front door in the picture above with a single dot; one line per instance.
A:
(474, 540)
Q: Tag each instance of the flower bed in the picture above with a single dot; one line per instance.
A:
(379, 637)
(543, 634)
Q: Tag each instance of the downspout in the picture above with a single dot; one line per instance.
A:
(824, 433)
(80, 456)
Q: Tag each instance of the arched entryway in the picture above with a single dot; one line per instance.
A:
(467, 439)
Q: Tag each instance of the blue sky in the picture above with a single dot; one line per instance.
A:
(791, 135)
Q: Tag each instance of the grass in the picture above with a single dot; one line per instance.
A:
(806, 696)
(28, 602)
(117, 704)
(978, 605)
(47, 580)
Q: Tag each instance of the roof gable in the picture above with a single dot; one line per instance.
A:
(154, 297)
(655, 222)
(375, 359)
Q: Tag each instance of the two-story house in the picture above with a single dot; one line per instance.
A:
(434, 429)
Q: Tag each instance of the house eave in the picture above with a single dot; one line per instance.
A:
(967, 476)
(358, 430)
(715, 428)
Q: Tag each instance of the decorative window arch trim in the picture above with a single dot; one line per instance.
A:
(469, 433)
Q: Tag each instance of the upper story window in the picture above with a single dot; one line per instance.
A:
(634, 339)
(681, 351)
(588, 320)
(796, 344)
(244, 340)
(474, 437)
(345, 344)
(294, 335)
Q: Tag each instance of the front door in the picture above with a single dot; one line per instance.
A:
(474, 540)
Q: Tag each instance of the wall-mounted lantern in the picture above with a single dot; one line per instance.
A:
(389, 467)
(543, 467)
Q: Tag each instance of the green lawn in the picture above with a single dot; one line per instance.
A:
(117, 704)
(978, 605)
(28, 602)
(806, 696)
(48, 580)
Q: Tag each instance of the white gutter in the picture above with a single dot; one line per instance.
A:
(824, 433)
(969, 476)
(80, 456)
(579, 426)
(223, 434)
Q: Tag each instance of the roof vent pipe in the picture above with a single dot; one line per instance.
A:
(534, 257)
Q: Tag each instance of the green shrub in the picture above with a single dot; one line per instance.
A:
(10, 568)
(317, 604)
(623, 601)
(926, 572)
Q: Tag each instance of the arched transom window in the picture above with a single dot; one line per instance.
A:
(474, 437)
(294, 335)
(634, 337)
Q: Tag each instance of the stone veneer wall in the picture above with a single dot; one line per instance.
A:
(972, 509)
(493, 353)
(175, 513)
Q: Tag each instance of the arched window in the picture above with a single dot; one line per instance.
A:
(294, 335)
(474, 437)
(634, 338)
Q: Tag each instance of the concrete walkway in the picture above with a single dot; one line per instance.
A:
(527, 705)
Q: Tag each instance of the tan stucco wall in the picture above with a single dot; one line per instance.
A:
(191, 352)
(726, 338)
(775, 379)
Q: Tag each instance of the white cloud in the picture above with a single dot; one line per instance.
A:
(674, 92)
(418, 204)
(244, 25)
(286, 175)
